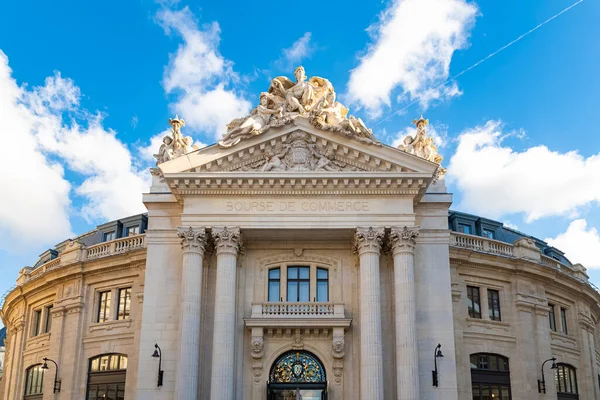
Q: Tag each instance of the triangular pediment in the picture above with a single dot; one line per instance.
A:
(300, 148)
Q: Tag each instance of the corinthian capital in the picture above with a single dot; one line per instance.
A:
(192, 239)
(368, 239)
(227, 240)
(403, 239)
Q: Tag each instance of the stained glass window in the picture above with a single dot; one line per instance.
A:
(297, 367)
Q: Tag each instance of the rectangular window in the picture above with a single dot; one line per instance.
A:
(104, 307)
(488, 233)
(464, 228)
(474, 302)
(124, 305)
(322, 284)
(48, 317)
(563, 320)
(112, 235)
(132, 230)
(274, 284)
(552, 317)
(298, 283)
(494, 304)
(36, 322)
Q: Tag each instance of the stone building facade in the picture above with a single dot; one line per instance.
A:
(301, 258)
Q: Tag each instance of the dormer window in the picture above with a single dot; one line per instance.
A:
(108, 236)
(464, 228)
(132, 230)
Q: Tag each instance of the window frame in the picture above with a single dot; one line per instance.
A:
(552, 316)
(47, 318)
(490, 378)
(135, 227)
(110, 235)
(273, 280)
(125, 309)
(564, 321)
(492, 303)
(26, 390)
(566, 370)
(322, 280)
(298, 281)
(471, 302)
(460, 228)
(36, 322)
(107, 307)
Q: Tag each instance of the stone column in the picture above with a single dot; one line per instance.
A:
(193, 242)
(407, 354)
(227, 244)
(368, 246)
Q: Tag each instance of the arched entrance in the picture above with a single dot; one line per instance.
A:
(106, 377)
(297, 375)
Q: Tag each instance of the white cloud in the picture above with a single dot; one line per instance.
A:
(439, 138)
(297, 52)
(44, 139)
(496, 180)
(200, 77)
(412, 47)
(579, 243)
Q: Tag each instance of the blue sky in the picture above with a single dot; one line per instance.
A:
(86, 91)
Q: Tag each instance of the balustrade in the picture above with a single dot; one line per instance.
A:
(297, 310)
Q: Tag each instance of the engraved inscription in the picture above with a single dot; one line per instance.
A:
(299, 206)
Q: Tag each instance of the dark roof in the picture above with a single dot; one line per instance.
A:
(2, 336)
(502, 233)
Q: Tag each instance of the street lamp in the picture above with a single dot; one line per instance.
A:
(542, 383)
(56, 387)
(158, 354)
(437, 353)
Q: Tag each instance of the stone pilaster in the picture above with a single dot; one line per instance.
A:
(338, 352)
(588, 356)
(407, 355)
(227, 245)
(193, 243)
(368, 246)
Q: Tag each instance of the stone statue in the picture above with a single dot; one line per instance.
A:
(175, 145)
(255, 123)
(313, 99)
(274, 161)
(325, 162)
(300, 96)
(421, 145)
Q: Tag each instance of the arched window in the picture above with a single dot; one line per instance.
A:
(106, 377)
(297, 374)
(566, 382)
(34, 383)
(490, 376)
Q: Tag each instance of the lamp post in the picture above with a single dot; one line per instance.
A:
(158, 354)
(542, 383)
(57, 383)
(437, 353)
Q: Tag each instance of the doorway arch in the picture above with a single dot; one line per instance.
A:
(297, 375)
(106, 377)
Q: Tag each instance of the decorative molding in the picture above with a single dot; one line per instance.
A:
(227, 240)
(368, 240)
(193, 239)
(110, 325)
(403, 239)
(297, 340)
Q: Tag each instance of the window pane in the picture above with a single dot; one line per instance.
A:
(473, 302)
(274, 273)
(95, 364)
(121, 392)
(322, 291)
(495, 392)
(322, 273)
(505, 393)
(473, 360)
(112, 392)
(563, 313)
(114, 362)
(485, 392)
(304, 291)
(292, 273)
(476, 392)
(104, 307)
(103, 363)
(124, 303)
(274, 291)
(292, 291)
(552, 318)
(304, 273)
(123, 364)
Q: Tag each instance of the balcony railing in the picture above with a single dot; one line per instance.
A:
(486, 245)
(297, 310)
(117, 246)
(479, 243)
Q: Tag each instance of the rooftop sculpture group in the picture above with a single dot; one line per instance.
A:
(313, 99)
(175, 145)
